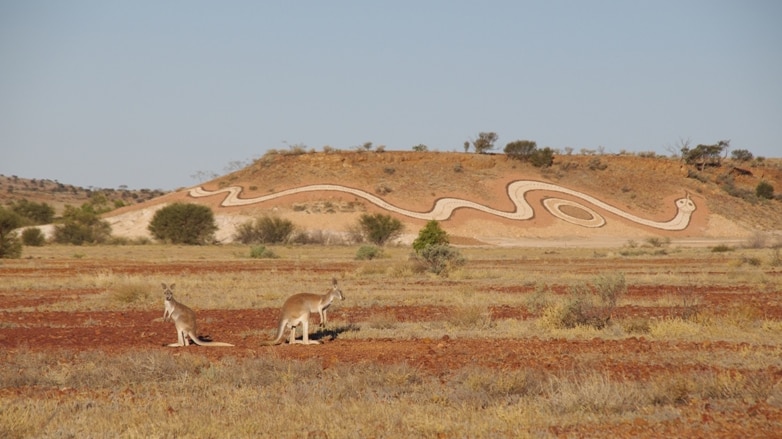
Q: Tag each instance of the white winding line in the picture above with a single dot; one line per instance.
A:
(444, 207)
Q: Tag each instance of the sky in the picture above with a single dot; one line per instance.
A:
(160, 94)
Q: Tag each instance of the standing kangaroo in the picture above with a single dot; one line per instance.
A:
(184, 319)
(297, 309)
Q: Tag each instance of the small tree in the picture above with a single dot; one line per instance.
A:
(433, 252)
(431, 234)
(484, 142)
(765, 190)
(420, 148)
(705, 155)
(10, 245)
(741, 155)
(520, 149)
(81, 225)
(184, 223)
(379, 228)
(36, 213)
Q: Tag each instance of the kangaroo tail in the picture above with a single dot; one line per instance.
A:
(200, 342)
(280, 331)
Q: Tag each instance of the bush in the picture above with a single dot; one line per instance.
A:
(439, 258)
(520, 149)
(35, 213)
(261, 252)
(265, 230)
(184, 223)
(721, 248)
(368, 252)
(379, 228)
(587, 305)
(10, 245)
(765, 190)
(542, 158)
(81, 225)
(431, 234)
(33, 237)
(741, 155)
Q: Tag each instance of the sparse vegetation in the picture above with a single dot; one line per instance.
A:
(682, 346)
(586, 305)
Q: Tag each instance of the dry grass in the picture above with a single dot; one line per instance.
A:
(158, 393)
(155, 394)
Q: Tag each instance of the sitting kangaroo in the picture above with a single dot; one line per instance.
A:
(185, 321)
(297, 309)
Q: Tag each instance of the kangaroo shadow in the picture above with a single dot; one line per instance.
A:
(332, 333)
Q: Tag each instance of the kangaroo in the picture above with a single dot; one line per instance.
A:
(184, 319)
(297, 309)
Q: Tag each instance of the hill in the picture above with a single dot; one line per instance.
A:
(606, 199)
(58, 195)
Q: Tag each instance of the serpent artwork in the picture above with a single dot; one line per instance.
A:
(567, 210)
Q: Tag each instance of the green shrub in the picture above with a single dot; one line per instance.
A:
(439, 258)
(765, 190)
(431, 234)
(368, 252)
(520, 149)
(379, 228)
(10, 245)
(35, 213)
(82, 225)
(33, 237)
(261, 252)
(741, 155)
(721, 248)
(265, 230)
(542, 158)
(184, 223)
(587, 305)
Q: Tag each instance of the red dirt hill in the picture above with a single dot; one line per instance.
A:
(617, 190)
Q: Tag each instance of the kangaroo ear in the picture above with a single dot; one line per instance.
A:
(334, 281)
(171, 287)
(164, 286)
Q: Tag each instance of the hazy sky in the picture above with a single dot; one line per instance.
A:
(148, 94)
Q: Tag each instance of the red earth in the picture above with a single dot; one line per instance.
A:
(633, 358)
